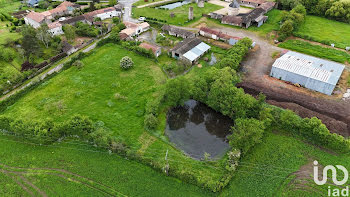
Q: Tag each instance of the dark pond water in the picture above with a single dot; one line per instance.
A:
(196, 129)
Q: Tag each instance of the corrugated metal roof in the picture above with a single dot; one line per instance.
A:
(197, 51)
(311, 67)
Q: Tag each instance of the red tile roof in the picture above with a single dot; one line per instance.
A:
(148, 46)
(38, 17)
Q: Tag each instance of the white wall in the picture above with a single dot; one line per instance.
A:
(106, 15)
(31, 22)
(56, 31)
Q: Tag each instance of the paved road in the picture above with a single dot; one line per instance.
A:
(128, 10)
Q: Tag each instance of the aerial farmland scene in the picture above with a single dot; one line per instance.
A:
(241, 98)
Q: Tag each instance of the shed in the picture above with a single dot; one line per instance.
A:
(189, 50)
(313, 73)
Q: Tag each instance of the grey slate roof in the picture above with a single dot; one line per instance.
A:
(252, 15)
(186, 45)
(177, 31)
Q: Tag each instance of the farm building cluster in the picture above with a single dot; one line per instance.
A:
(255, 17)
(307, 71)
(63, 14)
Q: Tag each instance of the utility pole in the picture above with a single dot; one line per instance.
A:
(166, 167)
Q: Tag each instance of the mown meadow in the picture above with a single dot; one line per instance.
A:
(181, 13)
(323, 30)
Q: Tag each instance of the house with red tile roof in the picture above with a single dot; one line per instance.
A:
(55, 28)
(35, 19)
(133, 29)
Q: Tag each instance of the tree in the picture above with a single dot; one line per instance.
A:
(112, 2)
(69, 32)
(43, 35)
(340, 10)
(286, 30)
(29, 42)
(246, 134)
(177, 91)
(92, 6)
(126, 63)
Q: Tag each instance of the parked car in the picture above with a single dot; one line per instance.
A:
(142, 18)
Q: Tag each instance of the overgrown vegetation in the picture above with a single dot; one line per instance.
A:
(291, 21)
(316, 50)
(333, 9)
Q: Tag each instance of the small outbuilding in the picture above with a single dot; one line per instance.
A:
(175, 31)
(155, 49)
(310, 72)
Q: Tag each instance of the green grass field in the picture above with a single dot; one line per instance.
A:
(91, 91)
(322, 29)
(316, 50)
(270, 169)
(181, 13)
(87, 172)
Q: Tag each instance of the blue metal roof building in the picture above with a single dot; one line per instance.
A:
(311, 72)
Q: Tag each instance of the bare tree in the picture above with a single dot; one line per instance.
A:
(44, 35)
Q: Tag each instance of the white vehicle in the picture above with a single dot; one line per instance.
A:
(142, 18)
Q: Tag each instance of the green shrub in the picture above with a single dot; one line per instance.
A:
(151, 122)
(126, 63)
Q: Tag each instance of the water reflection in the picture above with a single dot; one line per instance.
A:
(197, 129)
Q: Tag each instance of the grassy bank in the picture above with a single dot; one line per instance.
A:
(316, 50)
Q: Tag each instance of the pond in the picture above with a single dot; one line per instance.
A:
(174, 5)
(197, 129)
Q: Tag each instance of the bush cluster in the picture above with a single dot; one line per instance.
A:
(48, 131)
(291, 21)
(235, 55)
(310, 129)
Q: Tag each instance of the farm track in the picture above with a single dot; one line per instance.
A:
(16, 173)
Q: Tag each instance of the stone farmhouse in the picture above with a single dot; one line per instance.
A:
(134, 29)
(255, 17)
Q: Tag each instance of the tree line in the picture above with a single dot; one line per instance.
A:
(333, 9)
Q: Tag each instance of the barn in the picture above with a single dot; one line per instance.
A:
(310, 72)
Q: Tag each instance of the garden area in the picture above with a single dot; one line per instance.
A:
(180, 13)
